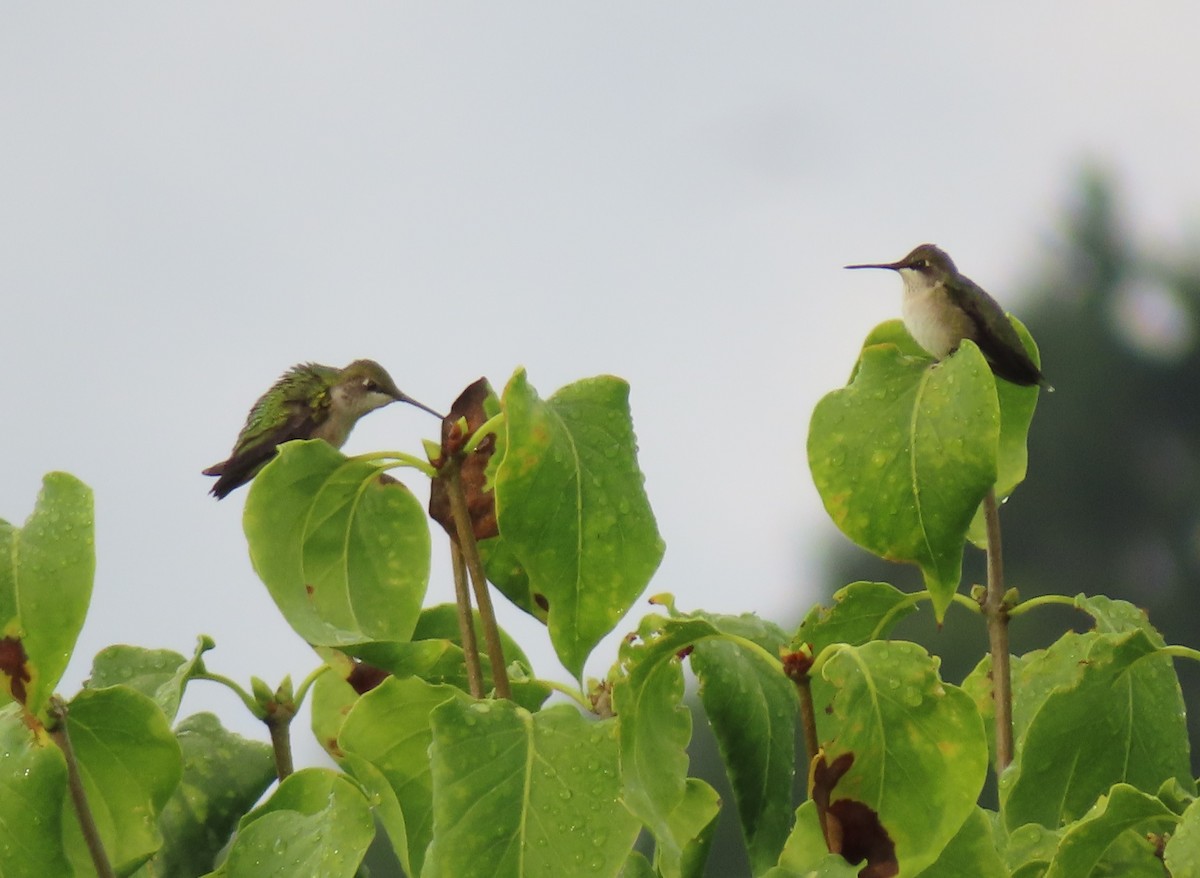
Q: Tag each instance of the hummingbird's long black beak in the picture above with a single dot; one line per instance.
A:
(404, 397)
(892, 266)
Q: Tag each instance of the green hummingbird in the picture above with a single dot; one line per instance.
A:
(309, 401)
(942, 307)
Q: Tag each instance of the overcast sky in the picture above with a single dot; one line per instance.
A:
(193, 197)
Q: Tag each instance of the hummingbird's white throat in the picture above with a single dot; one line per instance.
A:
(932, 318)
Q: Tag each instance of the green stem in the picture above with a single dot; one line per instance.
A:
(571, 692)
(452, 472)
(996, 613)
(247, 699)
(466, 621)
(491, 425)
(1181, 652)
(401, 459)
(307, 684)
(87, 822)
(752, 647)
(1041, 600)
(808, 717)
(279, 724)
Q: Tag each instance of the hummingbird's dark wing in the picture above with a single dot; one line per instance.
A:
(995, 335)
(251, 456)
(292, 409)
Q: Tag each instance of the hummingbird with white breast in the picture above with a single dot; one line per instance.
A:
(942, 307)
(309, 401)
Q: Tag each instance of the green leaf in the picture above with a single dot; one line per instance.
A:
(331, 699)
(861, 611)
(224, 774)
(806, 853)
(904, 455)
(1126, 697)
(920, 755)
(972, 852)
(528, 794)
(1085, 842)
(33, 784)
(131, 764)
(435, 655)
(752, 709)
(573, 510)
(655, 727)
(694, 819)
(1029, 851)
(45, 587)
(505, 572)
(316, 823)
(1017, 405)
(389, 728)
(160, 674)
(342, 547)
(637, 866)
(1182, 853)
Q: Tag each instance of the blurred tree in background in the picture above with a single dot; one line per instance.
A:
(1112, 501)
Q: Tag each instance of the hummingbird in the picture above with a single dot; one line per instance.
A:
(942, 307)
(309, 401)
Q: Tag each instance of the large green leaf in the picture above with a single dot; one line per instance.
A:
(1085, 843)
(806, 854)
(389, 728)
(161, 674)
(521, 794)
(223, 776)
(920, 754)
(752, 709)
(316, 823)
(572, 508)
(655, 728)
(33, 783)
(435, 655)
(342, 547)
(971, 852)
(1182, 854)
(1128, 700)
(904, 455)
(45, 586)
(131, 764)
(695, 819)
(860, 612)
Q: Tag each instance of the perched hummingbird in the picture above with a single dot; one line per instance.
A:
(309, 401)
(942, 307)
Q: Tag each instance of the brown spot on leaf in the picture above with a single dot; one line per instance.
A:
(851, 828)
(332, 748)
(365, 677)
(308, 588)
(481, 503)
(14, 664)
(542, 601)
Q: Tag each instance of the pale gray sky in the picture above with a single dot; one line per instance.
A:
(195, 196)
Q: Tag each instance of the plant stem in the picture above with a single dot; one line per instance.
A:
(466, 621)
(996, 613)
(1041, 600)
(87, 822)
(279, 724)
(307, 684)
(808, 717)
(401, 459)
(247, 699)
(452, 472)
(491, 425)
